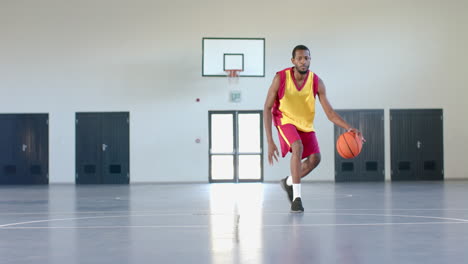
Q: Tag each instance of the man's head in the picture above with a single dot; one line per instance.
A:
(301, 58)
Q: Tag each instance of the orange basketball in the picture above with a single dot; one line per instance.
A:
(349, 145)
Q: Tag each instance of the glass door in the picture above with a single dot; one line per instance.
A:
(235, 149)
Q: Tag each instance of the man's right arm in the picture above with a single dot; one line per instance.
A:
(267, 119)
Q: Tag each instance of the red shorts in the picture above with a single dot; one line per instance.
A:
(288, 134)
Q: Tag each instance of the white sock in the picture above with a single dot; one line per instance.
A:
(289, 181)
(296, 190)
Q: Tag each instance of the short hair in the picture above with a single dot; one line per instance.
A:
(299, 47)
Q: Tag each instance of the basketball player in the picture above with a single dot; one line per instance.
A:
(290, 104)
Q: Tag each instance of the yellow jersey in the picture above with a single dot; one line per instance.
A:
(296, 105)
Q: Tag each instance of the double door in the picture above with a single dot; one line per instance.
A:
(236, 146)
(369, 165)
(417, 144)
(102, 148)
(24, 149)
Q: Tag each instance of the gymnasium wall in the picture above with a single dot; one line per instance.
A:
(144, 56)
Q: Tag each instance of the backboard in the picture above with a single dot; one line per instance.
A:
(223, 54)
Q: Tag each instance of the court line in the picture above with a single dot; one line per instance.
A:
(208, 226)
(122, 216)
(207, 212)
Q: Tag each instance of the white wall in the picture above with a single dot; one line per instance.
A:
(144, 56)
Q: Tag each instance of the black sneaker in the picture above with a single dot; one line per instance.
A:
(296, 206)
(288, 189)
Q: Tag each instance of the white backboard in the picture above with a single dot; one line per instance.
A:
(221, 54)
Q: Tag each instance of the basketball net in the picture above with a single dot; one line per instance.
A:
(233, 76)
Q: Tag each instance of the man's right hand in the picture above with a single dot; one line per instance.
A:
(272, 153)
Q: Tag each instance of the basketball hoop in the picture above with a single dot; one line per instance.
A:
(233, 75)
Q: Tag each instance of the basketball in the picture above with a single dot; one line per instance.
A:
(349, 145)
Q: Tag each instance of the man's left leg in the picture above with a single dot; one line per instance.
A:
(307, 165)
(311, 152)
(310, 163)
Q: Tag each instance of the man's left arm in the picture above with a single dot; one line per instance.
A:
(332, 115)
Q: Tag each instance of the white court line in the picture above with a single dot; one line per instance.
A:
(150, 215)
(207, 226)
(208, 212)
(76, 218)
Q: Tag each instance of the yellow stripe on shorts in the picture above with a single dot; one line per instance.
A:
(284, 137)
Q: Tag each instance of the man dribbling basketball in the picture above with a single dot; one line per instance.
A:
(290, 104)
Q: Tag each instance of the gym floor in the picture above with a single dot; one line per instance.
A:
(402, 222)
